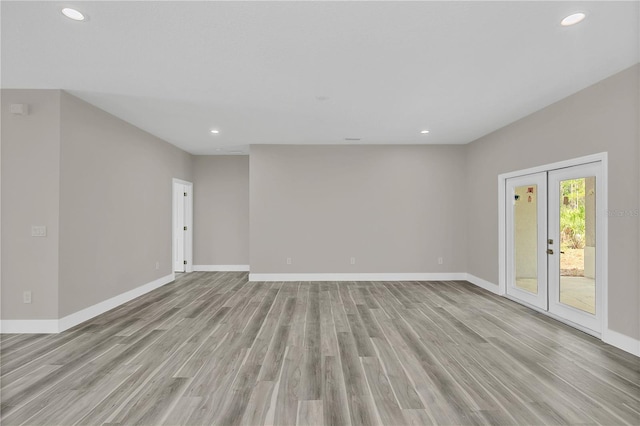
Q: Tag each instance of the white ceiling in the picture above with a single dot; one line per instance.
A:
(254, 70)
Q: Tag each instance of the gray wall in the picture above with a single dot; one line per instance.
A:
(115, 205)
(221, 210)
(393, 208)
(603, 117)
(30, 196)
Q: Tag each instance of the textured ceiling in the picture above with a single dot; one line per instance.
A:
(316, 72)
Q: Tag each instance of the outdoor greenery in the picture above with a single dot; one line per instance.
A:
(572, 214)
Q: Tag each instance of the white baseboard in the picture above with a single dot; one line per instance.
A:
(487, 285)
(419, 276)
(220, 268)
(57, 326)
(28, 326)
(613, 338)
(621, 341)
(102, 307)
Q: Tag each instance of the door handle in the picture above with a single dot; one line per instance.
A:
(549, 251)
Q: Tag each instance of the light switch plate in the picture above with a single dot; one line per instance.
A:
(38, 231)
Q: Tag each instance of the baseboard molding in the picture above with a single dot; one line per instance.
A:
(446, 276)
(28, 326)
(220, 268)
(487, 285)
(613, 338)
(102, 307)
(57, 326)
(621, 341)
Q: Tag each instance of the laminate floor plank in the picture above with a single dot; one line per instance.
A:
(334, 397)
(212, 348)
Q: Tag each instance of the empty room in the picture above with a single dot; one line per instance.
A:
(320, 213)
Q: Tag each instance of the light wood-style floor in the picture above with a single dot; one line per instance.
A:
(212, 348)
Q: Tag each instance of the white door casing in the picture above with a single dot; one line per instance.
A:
(591, 165)
(182, 226)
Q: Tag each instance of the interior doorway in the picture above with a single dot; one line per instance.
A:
(555, 240)
(182, 226)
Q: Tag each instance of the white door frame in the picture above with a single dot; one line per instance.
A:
(602, 243)
(188, 219)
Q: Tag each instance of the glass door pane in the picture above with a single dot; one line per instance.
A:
(526, 220)
(578, 243)
(525, 214)
(574, 275)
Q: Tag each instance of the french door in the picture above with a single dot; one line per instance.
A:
(552, 230)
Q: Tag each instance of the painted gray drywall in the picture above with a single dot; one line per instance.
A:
(393, 208)
(115, 205)
(603, 117)
(221, 210)
(30, 190)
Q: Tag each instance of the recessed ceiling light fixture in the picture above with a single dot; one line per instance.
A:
(215, 132)
(72, 14)
(572, 19)
(424, 132)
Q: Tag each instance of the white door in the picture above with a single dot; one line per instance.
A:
(555, 242)
(574, 274)
(526, 220)
(178, 227)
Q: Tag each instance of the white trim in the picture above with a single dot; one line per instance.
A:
(28, 326)
(593, 158)
(419, 276)
(188, 221)
(613, 338)
(220, 268)
(487, 285)
(603, 238)
(183, 182)
(106, 305)
(502, 182)
(502, 234)
(57, 326)
(621, 341)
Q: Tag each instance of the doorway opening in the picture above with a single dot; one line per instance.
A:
(553, 244)
(182, 226)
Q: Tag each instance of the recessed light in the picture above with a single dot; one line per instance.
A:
(424, 132)
(72, 14)
(572, 19)
(215, 132)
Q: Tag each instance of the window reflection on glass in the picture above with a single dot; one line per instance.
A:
(578, 243)
(526, 237)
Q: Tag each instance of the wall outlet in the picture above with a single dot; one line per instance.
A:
(353, 260)
(289, 261)
(157, 265)
(440, 261)
(26, 297)
(38, 231)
